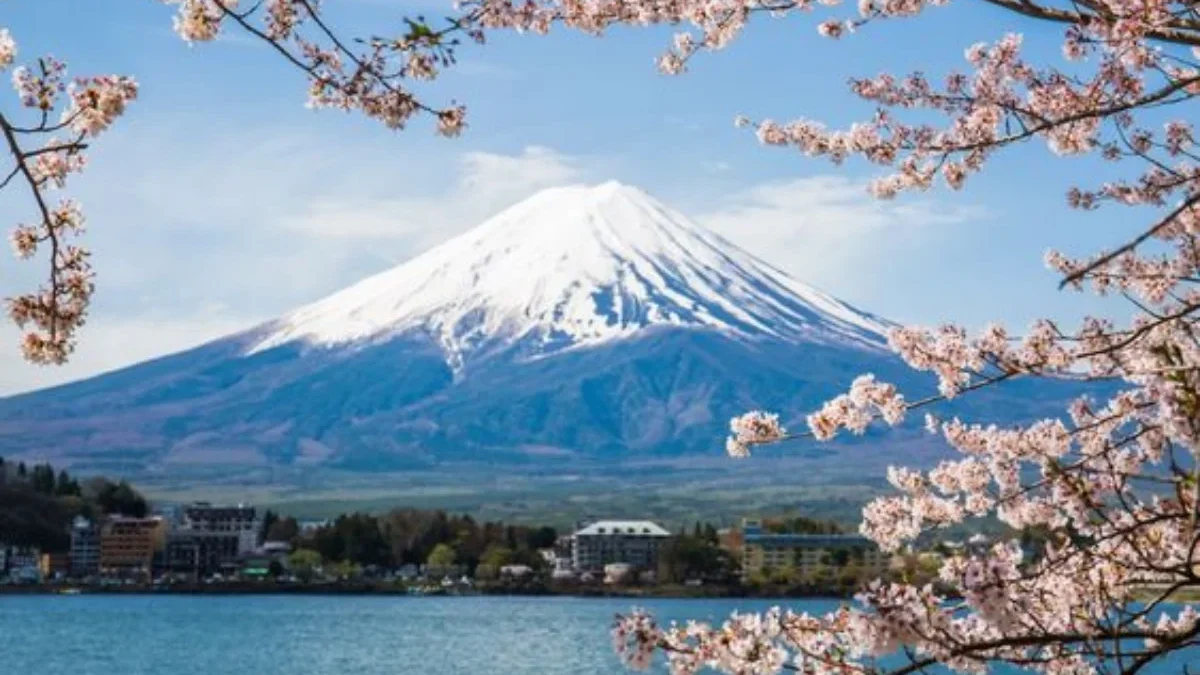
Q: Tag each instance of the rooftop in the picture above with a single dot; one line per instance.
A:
(807, 539)
(635, 527)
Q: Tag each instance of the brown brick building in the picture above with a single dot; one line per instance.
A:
(128, 545)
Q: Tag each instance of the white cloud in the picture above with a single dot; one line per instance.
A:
(487, 183)
(255, 227)
(827, 231)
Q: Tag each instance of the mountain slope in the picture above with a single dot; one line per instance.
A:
(582, 329)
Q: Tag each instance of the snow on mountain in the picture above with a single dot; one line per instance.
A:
(576, 266)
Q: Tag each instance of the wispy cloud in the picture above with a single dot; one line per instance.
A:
(827, 231)
(486, 183)
(246, 228)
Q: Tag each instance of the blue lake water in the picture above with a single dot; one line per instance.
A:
(318, 635)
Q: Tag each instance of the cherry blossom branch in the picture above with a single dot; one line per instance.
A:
(367, 86)
(1187, 34)
(1132, 244)
(51, 316)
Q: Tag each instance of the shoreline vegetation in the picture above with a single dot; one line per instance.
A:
(381, 588)
(665, 591)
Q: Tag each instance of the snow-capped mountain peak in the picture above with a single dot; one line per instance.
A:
(571, 267)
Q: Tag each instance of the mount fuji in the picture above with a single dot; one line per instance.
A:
(583, 330)
(574, 268)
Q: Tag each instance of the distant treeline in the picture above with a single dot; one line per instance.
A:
(410, 536)
(38, 504)
(441, 540)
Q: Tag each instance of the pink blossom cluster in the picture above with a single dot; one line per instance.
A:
(200, 20)
(97, 102)
(368, 75)
(55, 311)
(8, 49)
(56, 161)
(855, 409)
(753, 428)
(51, 315)
(40, 87)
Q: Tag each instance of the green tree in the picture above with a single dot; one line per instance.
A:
(497, 556)
(442, 556)
(344, 569)
(31, 518)
(116, 498)
(494, 558)
(355, 538)
(541, 537)
(42, 479)
(268, 520)
(66, 486)
(283, 529)
(304, 563)
(694, 557)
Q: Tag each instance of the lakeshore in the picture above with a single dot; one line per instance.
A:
(366, 588)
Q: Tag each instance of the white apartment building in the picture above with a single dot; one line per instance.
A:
(604, 542)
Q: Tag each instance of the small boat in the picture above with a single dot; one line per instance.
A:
(69, 591)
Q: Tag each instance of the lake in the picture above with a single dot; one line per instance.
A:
(330, 635)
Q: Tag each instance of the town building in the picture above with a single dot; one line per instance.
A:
(22, 563)
(128, 546)
(806, 554)
(240, 521)
(85, 548)
(633, 542)
(54, 565)
(270, 559)
(730, 539)
(212, 539)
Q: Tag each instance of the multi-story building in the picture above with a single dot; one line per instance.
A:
(806, 554)
(128, 545)
(22, 563)
(240, 521)
(634, 542)
(85, 548)
(212, 539)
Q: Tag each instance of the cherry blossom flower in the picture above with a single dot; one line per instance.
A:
(753, 428)
(8, 49)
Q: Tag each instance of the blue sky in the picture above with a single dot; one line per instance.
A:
(220, 200)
